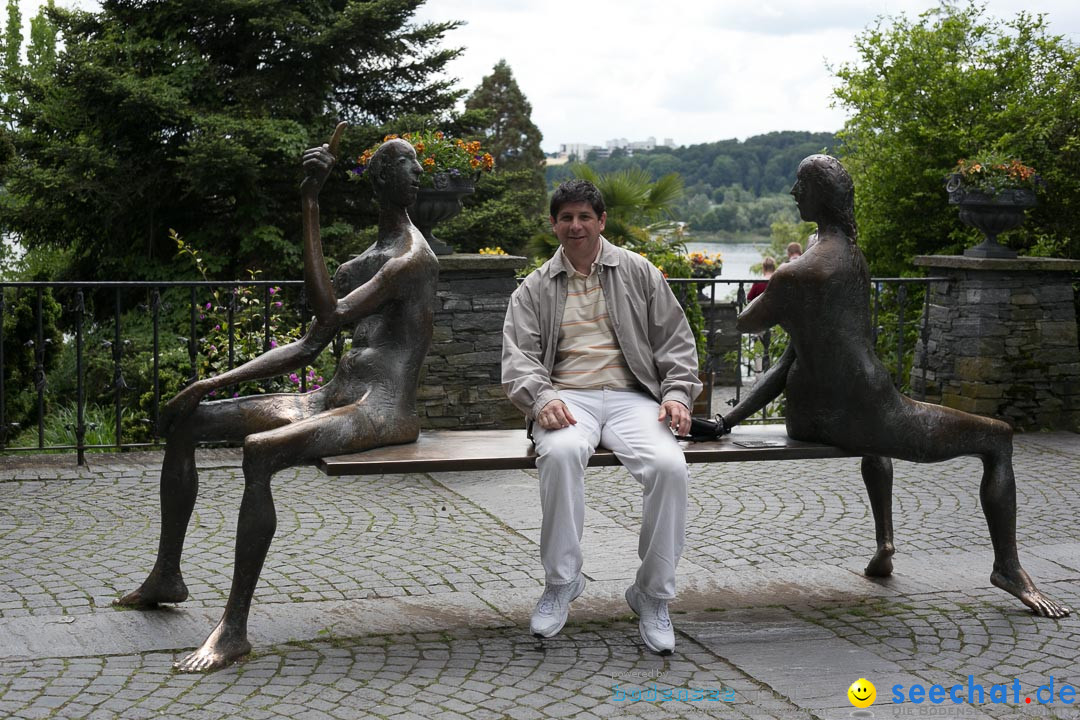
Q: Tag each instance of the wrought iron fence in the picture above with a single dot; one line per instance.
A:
(115, 348)
(85, 365)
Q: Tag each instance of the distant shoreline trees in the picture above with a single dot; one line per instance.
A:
(730, 186)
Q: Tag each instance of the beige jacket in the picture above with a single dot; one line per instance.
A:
(649, 324)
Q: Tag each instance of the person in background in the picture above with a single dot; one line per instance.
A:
(768, 267)
(794, 251)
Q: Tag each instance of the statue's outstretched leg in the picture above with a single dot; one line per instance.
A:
(877, 474)
(222, 420)
(998, 496)
(931, 433)
(340, 430)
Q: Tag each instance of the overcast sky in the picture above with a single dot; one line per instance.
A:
(691, 70)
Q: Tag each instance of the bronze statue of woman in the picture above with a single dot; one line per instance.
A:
(839, 393)
(387, 294)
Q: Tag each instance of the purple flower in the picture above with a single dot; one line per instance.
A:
(314, 387)
(273, 343)
(236, 394)
(294, 378)
(217, 327)
(277, 304)
(201, 316)
(273, 290)
(212, 393)
(208, 306)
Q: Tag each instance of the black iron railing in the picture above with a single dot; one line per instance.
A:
(116, 350)
(55, 332)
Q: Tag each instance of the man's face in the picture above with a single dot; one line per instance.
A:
(578, 228)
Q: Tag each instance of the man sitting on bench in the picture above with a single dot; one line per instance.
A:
(596, 350)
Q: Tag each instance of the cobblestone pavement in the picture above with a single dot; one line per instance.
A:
(408, 596)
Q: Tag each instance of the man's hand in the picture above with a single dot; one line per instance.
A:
(677, 414)
(556, 415)
(318, 162)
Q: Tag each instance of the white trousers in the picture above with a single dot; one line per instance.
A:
(623, 421)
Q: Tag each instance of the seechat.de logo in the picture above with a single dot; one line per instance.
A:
(862, 693)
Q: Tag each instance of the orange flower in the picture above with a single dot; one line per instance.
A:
(388, 138)
(474, 163)
(429, 163)
(419, 146)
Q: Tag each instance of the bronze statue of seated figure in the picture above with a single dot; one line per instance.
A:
(839, 393)
(387, 294)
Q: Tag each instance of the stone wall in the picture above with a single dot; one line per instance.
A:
(1002, 340)
(460, 385)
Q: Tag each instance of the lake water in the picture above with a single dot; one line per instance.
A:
(738, 257)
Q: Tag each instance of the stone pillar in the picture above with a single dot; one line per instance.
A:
(1002, 340)
(460, 385)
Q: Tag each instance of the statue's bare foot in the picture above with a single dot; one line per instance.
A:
(221, 649)
(155, 591)
(1019, 584)
(881, 564)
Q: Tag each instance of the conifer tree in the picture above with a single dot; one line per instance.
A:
(512, 137)
(192, 115)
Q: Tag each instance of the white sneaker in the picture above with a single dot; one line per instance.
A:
(655, 623)
(550, 614)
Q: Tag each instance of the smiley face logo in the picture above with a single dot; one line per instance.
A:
(862, 693)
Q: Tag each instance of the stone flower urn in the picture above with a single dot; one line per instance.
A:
(990, 214)
(439, 203)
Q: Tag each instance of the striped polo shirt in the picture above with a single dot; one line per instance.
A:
(588, 355)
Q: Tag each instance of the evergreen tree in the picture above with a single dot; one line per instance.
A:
(41, 52)
(508, 207)
(12, 37)
(191, 115)
(511, 135)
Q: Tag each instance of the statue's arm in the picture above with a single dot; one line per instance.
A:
(317, 165)
(270, 364)
(765, 390)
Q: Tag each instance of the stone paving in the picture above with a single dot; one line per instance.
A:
(408, 596)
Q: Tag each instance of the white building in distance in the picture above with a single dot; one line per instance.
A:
(580, 151)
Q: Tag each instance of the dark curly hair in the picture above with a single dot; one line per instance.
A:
(575, 191)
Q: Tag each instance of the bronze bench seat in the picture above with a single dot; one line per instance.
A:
(458, 450)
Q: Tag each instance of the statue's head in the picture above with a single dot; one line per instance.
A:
(825, 193)
(395, 173)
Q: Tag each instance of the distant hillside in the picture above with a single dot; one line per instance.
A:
(731, 186)
(760, 164)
